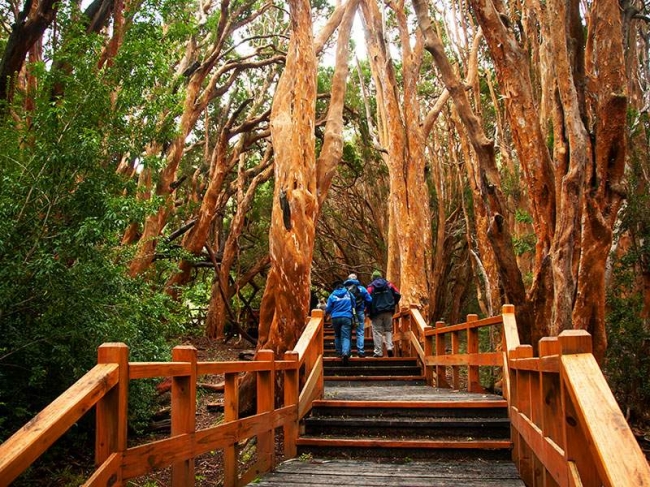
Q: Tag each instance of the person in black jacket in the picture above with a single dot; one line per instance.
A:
(385, 297)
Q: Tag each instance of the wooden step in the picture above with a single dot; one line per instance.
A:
(356, 369)
(318, 471)
(462, 428)
(392, 443)
(495, 408)
(372, 378)
(393, 448)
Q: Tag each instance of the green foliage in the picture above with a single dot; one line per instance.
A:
(523, 216)
(64, 288)
(525, 243)
(628, 330)
(628, 357)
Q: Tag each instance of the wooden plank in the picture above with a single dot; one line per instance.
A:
(482, 359)
(310, 334)
(602, 420)
(30, 441)
(552, 420)
(231, 413)
(546, 450)
(216, 368)
(310, 389)
(416, 345)
(475, 324)
(291, 398)
(149, 370)
(183, 412)
(375, 378)
(460, 404)
(455, 351)
(392, 443)
(265, 403)
(441, 350)
(143, 459)
(473, 378)
(523, 404)
(510, 333)
(108, 474)
(457, 470)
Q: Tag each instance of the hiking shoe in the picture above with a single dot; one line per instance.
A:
(390, 353)
(378, 355)
(346, 359)
(361, 354)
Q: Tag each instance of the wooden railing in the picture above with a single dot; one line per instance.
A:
(567, 429)
(439, 347)
(106, 387)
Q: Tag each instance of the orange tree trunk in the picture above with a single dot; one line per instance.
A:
(291, 238)
(401, 135)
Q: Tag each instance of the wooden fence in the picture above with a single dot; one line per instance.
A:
(566, 427)
(106, 387)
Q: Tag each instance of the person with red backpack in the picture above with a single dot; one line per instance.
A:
(385, 297)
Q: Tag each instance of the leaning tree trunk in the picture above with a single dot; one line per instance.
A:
(488, 178)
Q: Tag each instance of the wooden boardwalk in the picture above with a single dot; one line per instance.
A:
(369, 473)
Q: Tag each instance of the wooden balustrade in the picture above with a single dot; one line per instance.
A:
(106, 385)
(566, 427)
(439, 347)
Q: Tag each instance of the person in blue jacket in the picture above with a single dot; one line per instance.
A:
(340, 306)
(363, 300)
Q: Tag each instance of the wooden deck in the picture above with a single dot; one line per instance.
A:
(369, 473)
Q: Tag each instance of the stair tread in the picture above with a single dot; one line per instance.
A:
(403, 443)
(423, 420)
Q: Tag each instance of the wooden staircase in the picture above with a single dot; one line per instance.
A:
(382, 408)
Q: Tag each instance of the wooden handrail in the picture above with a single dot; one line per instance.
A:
(30, 441)
(415, 338)
(567, 427)
(106, 385)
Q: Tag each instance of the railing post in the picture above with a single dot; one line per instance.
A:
(575, 441)
(455, 369)
(265, 403)
(112, 409)
(523, 400)
(473, 378)
(183, 404)
(551, 406)
(231, 413)
(441, 351)
(428, 352)
(291, 395)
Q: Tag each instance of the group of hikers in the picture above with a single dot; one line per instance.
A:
(348, 305)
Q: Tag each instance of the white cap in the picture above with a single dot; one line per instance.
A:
(352, 276)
